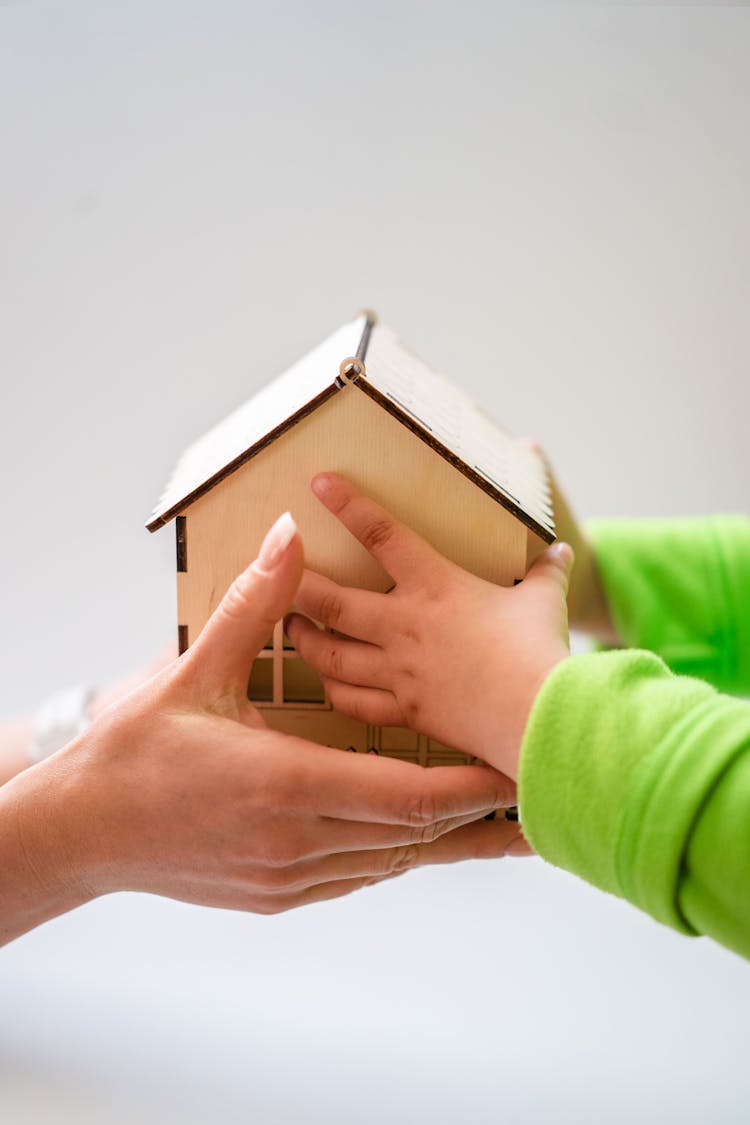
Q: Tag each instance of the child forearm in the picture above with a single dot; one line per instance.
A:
(639, 781)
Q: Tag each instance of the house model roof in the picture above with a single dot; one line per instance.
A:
(434, 409)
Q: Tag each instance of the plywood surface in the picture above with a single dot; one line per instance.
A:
(452, 420)
(432, 408)
(352, 435)
(252, 422)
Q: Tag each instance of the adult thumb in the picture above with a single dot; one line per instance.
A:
(244, 619)
(552, 569)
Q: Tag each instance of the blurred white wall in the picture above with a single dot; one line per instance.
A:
(548, 202)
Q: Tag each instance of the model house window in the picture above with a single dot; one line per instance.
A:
(260, 689)
(280, 678)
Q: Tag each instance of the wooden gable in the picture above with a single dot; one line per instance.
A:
(429, 406)
(352, 435)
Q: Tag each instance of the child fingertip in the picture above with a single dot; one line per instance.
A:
(321, 483)
(564, 552)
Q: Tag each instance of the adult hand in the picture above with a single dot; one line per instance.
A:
(179, 789)
(444, 652)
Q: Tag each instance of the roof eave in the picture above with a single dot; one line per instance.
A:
(177, 509)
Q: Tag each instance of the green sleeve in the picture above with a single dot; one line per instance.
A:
(681, 588)
(638, 780)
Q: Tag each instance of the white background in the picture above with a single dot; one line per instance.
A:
(549, 203)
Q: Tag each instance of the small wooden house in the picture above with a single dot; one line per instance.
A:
(362, 405)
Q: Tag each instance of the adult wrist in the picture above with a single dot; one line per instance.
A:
(39, 875)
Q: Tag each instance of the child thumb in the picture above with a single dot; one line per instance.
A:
(244, 619)
(552, 569)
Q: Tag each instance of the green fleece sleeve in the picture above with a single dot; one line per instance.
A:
(638, 779)
(681, 588)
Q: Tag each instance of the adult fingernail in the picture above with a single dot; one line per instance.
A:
(518, 847)
(276, 542)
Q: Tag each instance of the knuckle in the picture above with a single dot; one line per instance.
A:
(356, 709)
(331, 609)
(334, 662)
(242, 598)
(504, 792)
(421, 812)
(239, 595)
(410, 710)
(281, 852)
(406, 857)
(341, 500)
(275, 877)
(429, 833)
(377, 534)
(408, 632)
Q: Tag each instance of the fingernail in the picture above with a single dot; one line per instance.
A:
(564, 552)
(517, 847)
(276, 542)
(320, 484)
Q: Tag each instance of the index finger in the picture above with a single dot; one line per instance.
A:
(366, 787)
(395, 546)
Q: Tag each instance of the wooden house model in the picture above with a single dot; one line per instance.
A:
(362, 405)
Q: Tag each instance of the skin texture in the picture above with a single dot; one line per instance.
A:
(179, 789)
(443, 652)
(16, 736)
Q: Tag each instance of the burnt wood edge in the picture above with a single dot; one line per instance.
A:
(181, 544)
(370, 322)
(161, 521)
(232, 466)
(476, 478)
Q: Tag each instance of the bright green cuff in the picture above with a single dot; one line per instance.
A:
(716, 873)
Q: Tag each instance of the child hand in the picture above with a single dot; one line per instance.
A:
(444, 652)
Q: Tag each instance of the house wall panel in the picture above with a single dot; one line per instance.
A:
(354, 436)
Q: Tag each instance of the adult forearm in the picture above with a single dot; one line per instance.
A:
(17, 737)
(15, 740)
(32, 843)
